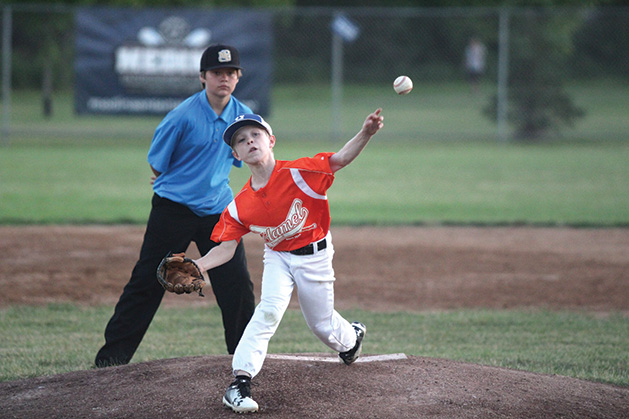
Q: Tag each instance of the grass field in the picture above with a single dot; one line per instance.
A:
(436, 161)
(432, 112)
(408, 182)
(61, 338)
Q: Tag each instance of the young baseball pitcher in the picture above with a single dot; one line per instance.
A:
(285, 202)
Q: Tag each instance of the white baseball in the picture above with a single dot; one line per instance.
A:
(403, 85)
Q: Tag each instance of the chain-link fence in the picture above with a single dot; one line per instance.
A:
(479, 73)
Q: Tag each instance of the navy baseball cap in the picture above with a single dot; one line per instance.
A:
(244, 120)
(220, 56)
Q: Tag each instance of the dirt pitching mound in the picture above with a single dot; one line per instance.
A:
(409, 388)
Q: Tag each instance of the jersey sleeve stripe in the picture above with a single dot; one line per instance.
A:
(305, 188)
(233, 211)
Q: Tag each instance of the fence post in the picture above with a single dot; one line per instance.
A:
(337, 84)
(6, 72)
(503, 73)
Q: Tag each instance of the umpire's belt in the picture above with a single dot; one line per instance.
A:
(310, 249)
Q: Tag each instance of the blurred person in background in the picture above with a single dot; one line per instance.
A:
(475, 56)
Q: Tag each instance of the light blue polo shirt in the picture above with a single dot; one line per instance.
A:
(194, 161)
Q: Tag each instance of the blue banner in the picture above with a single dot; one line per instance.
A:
(146, 61)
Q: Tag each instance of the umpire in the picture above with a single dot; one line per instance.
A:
(191, 164)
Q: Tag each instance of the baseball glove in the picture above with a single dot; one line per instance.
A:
(180, 274)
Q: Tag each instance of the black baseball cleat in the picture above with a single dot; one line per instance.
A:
(238, 396)
(353, 354)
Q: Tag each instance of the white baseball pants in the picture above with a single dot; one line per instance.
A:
(314, 277)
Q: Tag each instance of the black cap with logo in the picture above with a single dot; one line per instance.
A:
(220, 56)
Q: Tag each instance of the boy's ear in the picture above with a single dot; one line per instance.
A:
(236, 156)
(271, 141)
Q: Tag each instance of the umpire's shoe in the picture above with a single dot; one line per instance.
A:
(353, 354)
(238, 396)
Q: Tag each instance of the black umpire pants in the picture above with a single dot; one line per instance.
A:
(172, 227)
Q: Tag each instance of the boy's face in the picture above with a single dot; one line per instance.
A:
(252, 144)
(220, 81)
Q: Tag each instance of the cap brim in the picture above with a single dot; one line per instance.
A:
(237, 67)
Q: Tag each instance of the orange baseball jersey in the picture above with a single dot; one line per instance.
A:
(290, 212)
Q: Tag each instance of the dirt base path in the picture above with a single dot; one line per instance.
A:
(382, 269)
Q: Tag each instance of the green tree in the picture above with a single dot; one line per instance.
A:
(603, 44)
